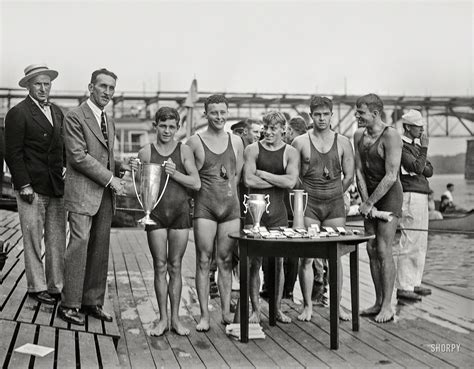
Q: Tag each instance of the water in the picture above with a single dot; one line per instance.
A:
(450, 257)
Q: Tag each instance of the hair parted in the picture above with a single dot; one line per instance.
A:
(298, 124)
(320, 101)
(274, 117)
(372, 101)
(96, 73)
(165, 112)
(215, 99)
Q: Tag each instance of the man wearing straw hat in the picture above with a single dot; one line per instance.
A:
(410, 252)
(34, 154)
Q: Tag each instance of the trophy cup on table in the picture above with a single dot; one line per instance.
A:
(150, 179)
(298, 208)
(256, 204)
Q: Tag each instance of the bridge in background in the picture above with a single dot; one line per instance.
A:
(446, 116)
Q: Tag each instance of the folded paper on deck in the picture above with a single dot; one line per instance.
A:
(36, 350)
(255, 331)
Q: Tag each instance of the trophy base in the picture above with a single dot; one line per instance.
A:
(146, 220)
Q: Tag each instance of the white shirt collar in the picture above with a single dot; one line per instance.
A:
(96, 111)
(410, 140)
(37, 102)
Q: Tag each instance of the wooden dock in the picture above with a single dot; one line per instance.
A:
(420, 336)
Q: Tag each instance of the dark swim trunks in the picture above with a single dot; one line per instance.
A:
(272, 162)
(173, 210)
(322, 181)
(373, 166)
(217, 199)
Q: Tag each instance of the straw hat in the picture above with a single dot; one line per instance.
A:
(414, 118)
(34, 70)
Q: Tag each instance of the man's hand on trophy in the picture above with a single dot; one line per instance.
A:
(134, 163)
(118, 186)
(170, 167)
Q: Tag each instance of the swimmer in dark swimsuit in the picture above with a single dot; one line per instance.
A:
(271, 167)
(378, 152)
(168, 239)
(219, 159)
(325, 156)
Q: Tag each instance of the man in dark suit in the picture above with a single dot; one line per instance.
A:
(34, 154)
(91, 183)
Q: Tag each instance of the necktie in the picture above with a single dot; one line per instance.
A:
(103, 128)
(44, 103)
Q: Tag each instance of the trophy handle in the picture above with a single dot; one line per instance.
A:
(291, 194)
(267, 197)
(164, 187)
(246, 203)
(306, 203)
(162, 192)
(135, 187)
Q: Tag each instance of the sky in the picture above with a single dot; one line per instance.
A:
(327, 47)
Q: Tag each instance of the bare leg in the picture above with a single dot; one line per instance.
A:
(157, 241)
(178, 240)
(305, 274)
(370, 227)
(225, 246)
(254, 281)
(280, 281)
(385, 235)
(204, 234)
(339, 222)
(306, 277)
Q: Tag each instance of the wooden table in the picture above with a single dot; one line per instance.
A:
(331, 248)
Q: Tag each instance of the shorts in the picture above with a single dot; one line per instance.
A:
(325, 209)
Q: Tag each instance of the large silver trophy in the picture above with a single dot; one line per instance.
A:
(298, 208)
(256, 204)
(149, 196)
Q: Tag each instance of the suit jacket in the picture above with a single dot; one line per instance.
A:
(34, 148)
(87, 160)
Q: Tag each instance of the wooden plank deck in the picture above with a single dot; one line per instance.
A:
(444, 319)
(24, 320)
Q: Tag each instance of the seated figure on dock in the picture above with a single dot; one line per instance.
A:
(219, 159)
(325, 156)
(169, 237)
(271, 167)
(378, 152)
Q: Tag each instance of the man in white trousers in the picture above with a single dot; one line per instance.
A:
(410, 252)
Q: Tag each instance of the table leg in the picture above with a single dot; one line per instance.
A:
(244, 292)
(334, 260)
(354, 266)
(272, 290)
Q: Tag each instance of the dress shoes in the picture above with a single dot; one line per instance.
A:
(55, 296)
(43, 297)
(96, 312)
(71, 315)
(423, 291)
(408, 295)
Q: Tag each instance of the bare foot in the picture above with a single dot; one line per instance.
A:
(306, 314)
(344, 316)
(282, 318)
(203, 325)
(384, 316)
(161, 328)
(254, 317)
(227, 319)
(179, 328)
(373, 310)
